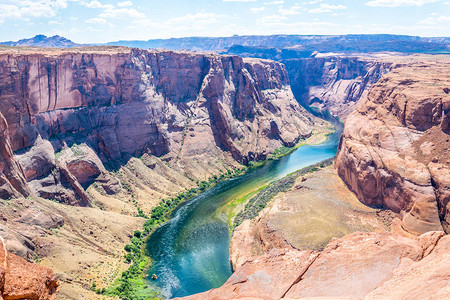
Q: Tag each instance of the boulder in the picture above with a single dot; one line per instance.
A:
(20, 279)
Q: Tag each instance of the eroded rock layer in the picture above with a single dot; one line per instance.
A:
(395, 147)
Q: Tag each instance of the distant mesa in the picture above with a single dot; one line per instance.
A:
(276, 47)
(41, 40)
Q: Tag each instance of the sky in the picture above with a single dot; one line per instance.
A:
(98, 21)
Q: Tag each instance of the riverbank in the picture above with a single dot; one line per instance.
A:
(303, 210)
(319, 136)
(132, 283)
(190, 252)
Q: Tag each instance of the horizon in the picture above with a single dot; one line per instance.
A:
(219, 37)
(234, 35)
(97, 21)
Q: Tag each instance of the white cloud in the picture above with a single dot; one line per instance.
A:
(55, 23)
(397, 3)
(435, 19)
(324, 7)
(313, 2)
(197, 19)
(124, 4)
(238, 0)
(274, 2)
(121, 13)
(30, 9)
(95, 4)
(273, 19)
(275, 26)
(97, 21)
(257, 9)
(293, 10)
(202, 23)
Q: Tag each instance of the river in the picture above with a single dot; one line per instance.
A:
(191, 252)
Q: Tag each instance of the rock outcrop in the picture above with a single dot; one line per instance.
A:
(12, 180)
(20, 279)
(360, 265)
(395, 147)
(190, 109)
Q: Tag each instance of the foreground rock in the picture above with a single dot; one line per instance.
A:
(395, 148)
(360, 265)
(20, 279)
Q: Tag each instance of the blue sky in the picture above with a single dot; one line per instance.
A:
(88, 21)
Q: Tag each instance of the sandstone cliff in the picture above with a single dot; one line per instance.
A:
(198, 112)
(12, 179)
(395, 148)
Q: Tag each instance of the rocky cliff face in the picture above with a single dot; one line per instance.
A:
(395, 148)
(190, 109)
(335, 83)
(12, 179)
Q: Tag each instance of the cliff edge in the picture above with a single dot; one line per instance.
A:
(395, 147)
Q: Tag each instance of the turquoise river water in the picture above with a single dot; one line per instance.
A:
(191, 252)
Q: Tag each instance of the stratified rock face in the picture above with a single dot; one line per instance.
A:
(12, 180)
(335, 83)
(359, 265)
(20, 279)
(126, 102)
(395, 147)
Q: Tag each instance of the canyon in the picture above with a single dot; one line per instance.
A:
(183, 108)
(105, 133)
(332, 84)
(399, 251)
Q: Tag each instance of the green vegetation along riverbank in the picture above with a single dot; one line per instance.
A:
(258, 202)
(131, 284)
